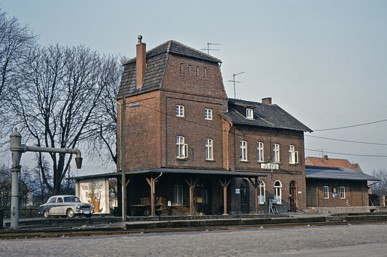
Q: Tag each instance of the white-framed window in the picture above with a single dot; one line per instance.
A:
(243, 150)
(278, 191)
(260, 152)
(276, 153)
(293, 155)
(208, 114)
(179, 110)
(181, 148)
(261, 192)
(209, 149)
(342, 192)
(205, 72)
(178, 194)
(326, 192)
(249, 113)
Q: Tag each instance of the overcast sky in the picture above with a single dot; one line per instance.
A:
(325, 62)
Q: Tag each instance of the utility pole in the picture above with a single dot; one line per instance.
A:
(234, 81)
(122, 155)
(17, 149)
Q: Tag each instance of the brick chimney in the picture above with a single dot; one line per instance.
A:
(266, 100)
(140, 62)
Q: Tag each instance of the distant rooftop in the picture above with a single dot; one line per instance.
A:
(264, 115)
(337, 173)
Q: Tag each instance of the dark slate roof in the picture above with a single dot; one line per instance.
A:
(156, 60)
(336, 173)
(265, 115)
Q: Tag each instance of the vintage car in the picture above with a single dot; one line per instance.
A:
(65, 205)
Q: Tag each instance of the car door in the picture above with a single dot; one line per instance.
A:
(51, 204)
(57, 208)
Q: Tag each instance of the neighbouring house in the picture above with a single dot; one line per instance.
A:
(336, 185)
(185, 146)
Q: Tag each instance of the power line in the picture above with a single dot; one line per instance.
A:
(350, 154)
(351, 126)
(348, 141)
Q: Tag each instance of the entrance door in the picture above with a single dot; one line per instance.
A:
(245, 196)
(292, 196)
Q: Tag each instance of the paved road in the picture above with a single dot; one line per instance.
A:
(340, 241)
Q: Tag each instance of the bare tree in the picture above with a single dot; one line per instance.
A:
(101, 140)
(16, 41)
(380, 187)
(60, 99)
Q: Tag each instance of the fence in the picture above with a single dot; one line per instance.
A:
(23, 213)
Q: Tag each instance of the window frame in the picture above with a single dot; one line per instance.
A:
(276, 153)
(326, 192)
(181, 70)
(260, 152)
(261, 192)
(181, 148)
(250, 113)
(278, 191)
(179, 110)
(208, 114)
(243, 151)
(209, 149)
(342, 192)
(293, 155)
(178, 194)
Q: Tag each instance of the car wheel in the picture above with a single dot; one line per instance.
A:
(46, 215)
(70, 213)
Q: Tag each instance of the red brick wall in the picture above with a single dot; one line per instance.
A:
(286, 173)
(142, 129)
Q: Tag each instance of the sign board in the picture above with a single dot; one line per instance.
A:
(96, 192)
(269, 166)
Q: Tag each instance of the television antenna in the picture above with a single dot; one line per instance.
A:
(208, 49)
(234, 81)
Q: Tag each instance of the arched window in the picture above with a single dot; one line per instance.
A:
(278, 191)
(261, 192)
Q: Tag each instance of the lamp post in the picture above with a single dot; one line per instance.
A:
(17, 149)
(122, 154)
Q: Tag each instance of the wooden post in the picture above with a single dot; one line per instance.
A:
(256, 187)
(191, 183)
(151, 182)
(224, 184)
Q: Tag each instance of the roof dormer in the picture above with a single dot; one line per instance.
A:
(249, 113)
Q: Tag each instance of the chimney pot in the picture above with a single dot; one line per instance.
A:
(266, 100)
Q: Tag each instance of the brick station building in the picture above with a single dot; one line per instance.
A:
(187, 145)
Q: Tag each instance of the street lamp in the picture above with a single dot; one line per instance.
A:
(122, 155)
(17, 150)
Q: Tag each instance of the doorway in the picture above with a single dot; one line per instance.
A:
(245, 192)
(292, 196)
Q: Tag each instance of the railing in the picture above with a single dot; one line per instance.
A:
(23, 213)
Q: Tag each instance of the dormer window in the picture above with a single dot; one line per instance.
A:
(249, 114)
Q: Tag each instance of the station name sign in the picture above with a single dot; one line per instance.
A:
(270, 166)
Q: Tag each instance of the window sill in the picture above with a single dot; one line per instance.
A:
(210, 160)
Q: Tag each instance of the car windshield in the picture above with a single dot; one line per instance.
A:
(71, 199)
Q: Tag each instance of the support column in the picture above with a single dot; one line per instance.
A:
(224, 183)
(191, 184)
(256, 187)
(151, 182)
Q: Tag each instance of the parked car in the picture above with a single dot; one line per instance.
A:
(65, 205)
